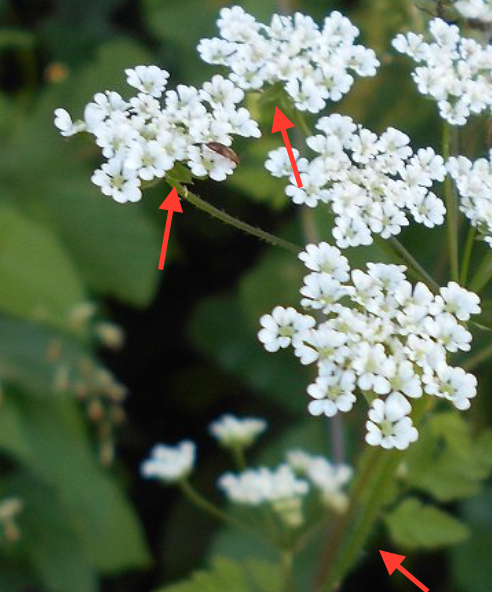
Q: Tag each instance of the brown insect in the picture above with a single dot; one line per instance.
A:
(224, 151)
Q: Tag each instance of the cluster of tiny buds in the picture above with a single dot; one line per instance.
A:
(376, 335)
(282, 488)
(313, 65)
(453, 70)
(95, 386)
(372, 184)
(143, 138)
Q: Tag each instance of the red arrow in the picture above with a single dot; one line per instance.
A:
(281, 123)
(172, 204)
(393, 561)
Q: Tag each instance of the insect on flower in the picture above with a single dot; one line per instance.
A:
(223, 151)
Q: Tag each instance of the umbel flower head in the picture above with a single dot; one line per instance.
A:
(377, 335)
(373, 185)
(314, 65)
(453, 70)
(474, 184)
(144, 137)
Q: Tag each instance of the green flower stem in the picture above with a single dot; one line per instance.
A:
(371, 493)
(394, 246)
(212, 510)
(465, 261)
(239, 224)
(377, 469)
(451, 207)
(287, 562)
(239, 457)
(483, 274)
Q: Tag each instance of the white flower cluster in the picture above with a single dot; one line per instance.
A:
(474, 184)
(143, 138)
(477, 10)
(372, 184)
(314, 65)
(234, 432)
(376, 334)
(455, 70)
(170, 464)
(285, 487)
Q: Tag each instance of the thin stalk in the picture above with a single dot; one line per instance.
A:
(396, 247)
(482, 275)
(212, 510)
(232, 221)
(451, 207)
(465, 261)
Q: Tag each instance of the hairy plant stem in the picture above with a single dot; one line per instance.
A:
(451, 207)
(232, 221)
(370, 494)
(341, 552)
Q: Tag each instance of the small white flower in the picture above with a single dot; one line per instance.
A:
(148, 79)
(170, 464)
(234, 432)
(64, 123)
(283, 327)
(389, 425)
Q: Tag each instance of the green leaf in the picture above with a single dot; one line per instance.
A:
(416, 525)
(226, 575)
(51, 545)
(222, 330)
(60, 456)
(471, 566)
(448, 462)
(36, 274)
(33, 356)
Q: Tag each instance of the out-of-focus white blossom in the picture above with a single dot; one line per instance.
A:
(314, 64)
(377, 334)
(235, 432)
(477, 10)
(453, 70)
(142, 139)
(474, 184)
(373, 185)
(170, 464)
(327, 478)
(279, 488)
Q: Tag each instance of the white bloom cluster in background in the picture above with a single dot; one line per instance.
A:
(286, 487)
(234, 432)
(170, 464)
(378, 335)
(144, 137)
(283, 489)
(314, 65)
(372, 184)
(455, 71)
(474, 184)
(479, 10)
